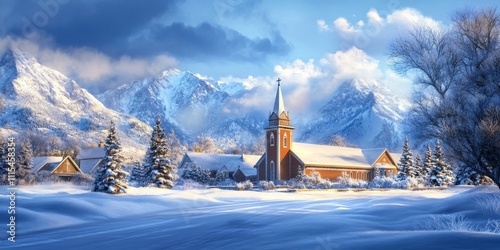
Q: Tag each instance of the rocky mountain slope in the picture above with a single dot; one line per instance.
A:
(365, 113)
(39, 100)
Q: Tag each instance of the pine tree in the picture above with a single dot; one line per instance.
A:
(159, 169)
(468, 176)
(419, 168)
(220, 176)
(138, 175)
(440, 173)
(25, 164)
(197, 174)
(300, 174)
(110, 177)
(406, 167)
(428, 161)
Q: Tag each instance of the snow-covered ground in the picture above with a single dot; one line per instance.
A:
(63, 216)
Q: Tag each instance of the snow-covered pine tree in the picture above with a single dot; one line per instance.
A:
(138, 175)
(159, 170)
(468, 176)
(220, 176)
(110, 177)
(197, 174)
(428, 161)
(419, 168)
(440, 173)
(406, 167)
(376, 172)
(25, 165)
(300, 174)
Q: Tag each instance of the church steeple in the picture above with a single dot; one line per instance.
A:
(279, 104)
(278, 116)
(279, 142)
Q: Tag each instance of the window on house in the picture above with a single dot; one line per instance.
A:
(284, 140)
(271, 139)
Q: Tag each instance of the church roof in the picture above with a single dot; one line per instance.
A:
(279, 104)
(323, 155)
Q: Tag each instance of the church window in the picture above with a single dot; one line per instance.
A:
(285, 140)
(271, 139)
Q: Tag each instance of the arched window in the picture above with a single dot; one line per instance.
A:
(271, 139)
(284, 140)
(272, 174)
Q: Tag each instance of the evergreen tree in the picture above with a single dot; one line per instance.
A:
(220, 176)
(419, 168)
(110, 177)
(197, 174)
(138, 175)
(428, 161)
(406, 167)
(440, 173)
(159, 169)
(376, 172)
(468, 176)
(300, 174)
(25, 164)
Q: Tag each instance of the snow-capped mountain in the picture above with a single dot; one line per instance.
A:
(366, 113)
(189, 105)
(43, 101)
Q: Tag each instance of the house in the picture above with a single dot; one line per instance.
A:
(91, 158)
(243, 174)
(226, 164)
(284, 158)
(57, 166)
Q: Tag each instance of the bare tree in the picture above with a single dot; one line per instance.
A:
(459, 99)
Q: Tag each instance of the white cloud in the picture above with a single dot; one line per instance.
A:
(308, 84)
(374, 34)
(322, 26)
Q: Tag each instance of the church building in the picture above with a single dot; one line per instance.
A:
(284, 158)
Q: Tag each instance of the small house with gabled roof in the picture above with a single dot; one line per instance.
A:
(57, 166)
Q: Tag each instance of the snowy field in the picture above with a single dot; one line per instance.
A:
(63, 216)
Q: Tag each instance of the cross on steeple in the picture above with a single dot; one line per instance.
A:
(279, 81)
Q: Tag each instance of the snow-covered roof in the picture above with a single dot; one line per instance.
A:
(373, 154)
(50, 167)
(324, 155)
(91, 153)
(249, 171)
(396, 157)
(217, 161)
(89, 164)
(39, 162)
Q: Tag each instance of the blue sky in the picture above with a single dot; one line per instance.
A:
(311, 45)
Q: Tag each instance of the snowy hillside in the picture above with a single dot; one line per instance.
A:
(70, 217)
(187, 104)
(365, 113)
(43, 101)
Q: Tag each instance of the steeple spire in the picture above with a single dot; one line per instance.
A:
(279, 105)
